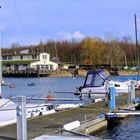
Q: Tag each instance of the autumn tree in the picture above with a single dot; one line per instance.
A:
(92, 51)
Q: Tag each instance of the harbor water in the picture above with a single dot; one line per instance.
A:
(42, 87)
(126, 129)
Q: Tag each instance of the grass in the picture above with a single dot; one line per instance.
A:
(17, 62)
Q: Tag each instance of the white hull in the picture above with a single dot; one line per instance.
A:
(8, 111)
(101, 91)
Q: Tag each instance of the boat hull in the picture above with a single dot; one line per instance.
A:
(101, 91)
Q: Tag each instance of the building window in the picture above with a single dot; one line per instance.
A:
(21, 57)
(44, 57)
(4, 58)
(34, 56)
(9, 57)
(42, 66)
(51, 67)
(47, 67)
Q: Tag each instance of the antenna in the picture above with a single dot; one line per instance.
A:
(137, 48)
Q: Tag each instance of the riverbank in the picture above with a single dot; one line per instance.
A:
(68, 73)
(83, 72)
(128, 73)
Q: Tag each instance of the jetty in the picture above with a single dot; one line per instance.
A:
(91, 117)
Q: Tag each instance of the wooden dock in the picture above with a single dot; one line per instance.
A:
(53, 124)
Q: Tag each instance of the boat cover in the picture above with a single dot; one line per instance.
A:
(95, 79)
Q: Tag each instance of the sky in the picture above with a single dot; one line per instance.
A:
(31, 21)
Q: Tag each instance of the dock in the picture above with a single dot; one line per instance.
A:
(91, 118)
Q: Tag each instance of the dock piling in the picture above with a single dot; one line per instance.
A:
(112, 92)
(131, 93)
(21, 118)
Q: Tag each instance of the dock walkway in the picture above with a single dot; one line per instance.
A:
(51, 124)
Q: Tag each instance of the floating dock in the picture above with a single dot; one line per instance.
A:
(91, 117)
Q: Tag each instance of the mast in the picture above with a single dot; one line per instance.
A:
(136, 41)
(0, 64)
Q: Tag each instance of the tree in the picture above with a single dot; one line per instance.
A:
(92, 51)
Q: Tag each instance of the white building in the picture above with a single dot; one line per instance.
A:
(44, 63)
(24, 60)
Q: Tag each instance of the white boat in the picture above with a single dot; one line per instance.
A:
(8, 111)
(95, 84)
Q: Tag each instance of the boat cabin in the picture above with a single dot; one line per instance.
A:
(95, 79)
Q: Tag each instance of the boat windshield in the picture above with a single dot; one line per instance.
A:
(94, 80)
(103, 75)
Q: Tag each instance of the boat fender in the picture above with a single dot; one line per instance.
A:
(71, 125)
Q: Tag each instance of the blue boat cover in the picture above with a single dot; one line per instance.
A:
(95, 79)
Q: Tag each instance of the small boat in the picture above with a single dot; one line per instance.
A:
(95, 82)
(31, 84)
(12, 86)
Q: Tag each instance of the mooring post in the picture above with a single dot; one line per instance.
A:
(21, 118)
(112, 93)
(131, 94)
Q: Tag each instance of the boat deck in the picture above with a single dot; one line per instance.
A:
(53, 123)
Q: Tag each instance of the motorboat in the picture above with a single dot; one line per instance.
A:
(95, 84)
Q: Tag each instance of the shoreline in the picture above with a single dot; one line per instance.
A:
(72, 73)
(68, 73)
(128, 73)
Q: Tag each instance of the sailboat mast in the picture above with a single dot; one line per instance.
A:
(136, 40)
(0, 64)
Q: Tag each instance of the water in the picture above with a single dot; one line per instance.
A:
(127, 129)
(42, 87)
(124, 78)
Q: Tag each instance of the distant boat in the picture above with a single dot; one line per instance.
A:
(31, 84)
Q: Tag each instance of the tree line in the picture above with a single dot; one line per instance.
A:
(87, 51)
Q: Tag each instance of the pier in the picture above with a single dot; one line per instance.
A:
(91, 117)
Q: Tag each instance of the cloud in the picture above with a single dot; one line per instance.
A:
(77, 35)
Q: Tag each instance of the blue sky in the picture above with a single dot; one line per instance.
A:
(30, 21)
